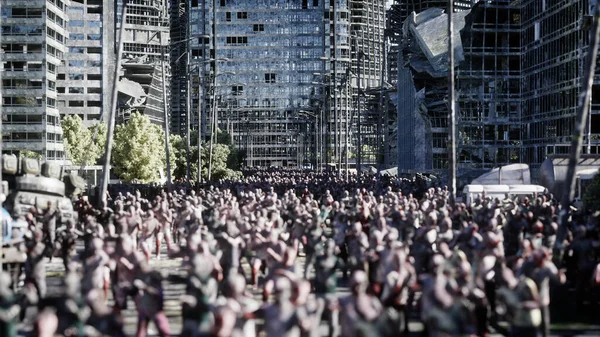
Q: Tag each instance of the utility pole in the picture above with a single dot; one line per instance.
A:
(166, 115)
(2, 191)
(113, 109)
(214, 88)
(188, 111)
(336, 113)
(201, 104)
(577, 138)
(359, 103)
(452, 117)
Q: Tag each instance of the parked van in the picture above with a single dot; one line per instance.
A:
(473, 192)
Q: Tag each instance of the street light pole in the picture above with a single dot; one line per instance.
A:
(166, 117)
(113, 109)
(214, 103)
(188, 122)
(201, 107)
(359, 101)
(452, 119)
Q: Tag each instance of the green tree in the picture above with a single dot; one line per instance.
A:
(30, 154)
(99, 130)
(179, 151)
(226, 158)
(80, 148)
(139, 150)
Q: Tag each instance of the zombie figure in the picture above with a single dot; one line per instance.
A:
(521, 297)
(542, 271)
(234, 314)
(49, 219)
(35, 266)
(65, 244)
(151, 234)
(359, 311)
(280, 317)
(357, 243)
(399, 282)
(93, 262)
(200, 295)
(9, 307)
(72, 312)
(149, 301)
(325, 283)
(125, 264)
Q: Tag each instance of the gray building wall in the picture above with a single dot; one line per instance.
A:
(85, 78)
(33, 46)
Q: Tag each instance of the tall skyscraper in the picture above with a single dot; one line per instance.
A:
(85, 78)
(33, 46)
(277, 71)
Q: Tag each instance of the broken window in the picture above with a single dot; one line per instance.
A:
(269, 78)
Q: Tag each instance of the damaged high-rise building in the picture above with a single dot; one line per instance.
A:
(517, 84)
(280, 74)
(146, 47)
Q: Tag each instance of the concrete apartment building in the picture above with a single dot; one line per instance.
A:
(85, 78)
(34, 37)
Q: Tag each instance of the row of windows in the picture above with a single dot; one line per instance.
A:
(55, 52)
(83, 50)
(21, 136)
(55, 35)
(22, 119)
(237, 40)
(30, 119)
(80, 37)
(55, 18)
(77, 77)
(274, 17)
(22, 101)
(82, 63)
(88, 10)
(80, 90)
(305, 3)
(21, 83)
(29, 13)
(21, 30)
(80, 104)
(81, 23)
(58, 3)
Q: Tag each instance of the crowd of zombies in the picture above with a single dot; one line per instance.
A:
(291, 253)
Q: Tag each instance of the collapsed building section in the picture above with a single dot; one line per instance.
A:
(423, 89)
(398, 12)
(145, 51)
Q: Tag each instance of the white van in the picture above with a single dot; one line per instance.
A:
(473, 192)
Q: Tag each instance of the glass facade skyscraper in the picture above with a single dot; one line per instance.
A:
(268, 58)
(279, 73)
